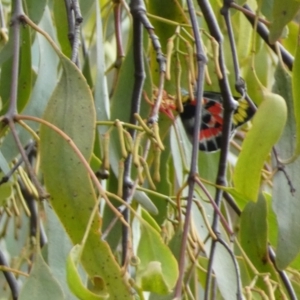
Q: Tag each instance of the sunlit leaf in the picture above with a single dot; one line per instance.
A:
(74, 280)
(258, 144)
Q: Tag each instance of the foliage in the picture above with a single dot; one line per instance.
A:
(102, 194)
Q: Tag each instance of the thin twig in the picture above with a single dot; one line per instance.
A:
(10, 278)
(74, 20)
(240, 84)
(41, 192)
(79, 155)
(201, 62)
(7, 176)
(285, 279)
(136, 6)
(229, 107)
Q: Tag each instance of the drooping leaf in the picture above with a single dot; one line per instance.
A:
(258, 144)
(72, 195)
(41, 284)
(74, 280)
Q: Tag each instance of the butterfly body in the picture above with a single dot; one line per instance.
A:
(210, 133)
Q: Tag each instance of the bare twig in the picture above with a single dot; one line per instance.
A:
(10, 278)
(201, 62)
(7, 176)
(229, 107)
(74, 21)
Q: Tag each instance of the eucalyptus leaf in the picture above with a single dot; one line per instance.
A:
(41, 284)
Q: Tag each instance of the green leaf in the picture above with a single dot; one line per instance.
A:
(158, 270)
(36, 9)
(72, 195)
(258, 144)
(143, 199)
(41, 284)
(62, 28)
(74, 280)
(5, 192)
(283, 13)
(253, 233)
(25, 74)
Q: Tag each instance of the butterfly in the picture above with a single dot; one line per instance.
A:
(210, 133)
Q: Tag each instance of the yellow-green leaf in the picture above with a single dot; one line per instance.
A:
(74, 280)
(158, 270)
(268, 124)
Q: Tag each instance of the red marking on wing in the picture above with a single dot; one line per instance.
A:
(209, 133)
(216, 112)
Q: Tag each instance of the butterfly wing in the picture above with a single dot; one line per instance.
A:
(210, 133)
